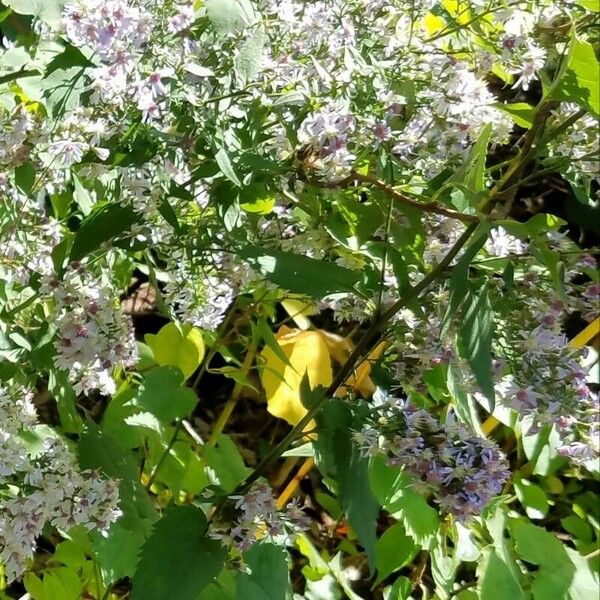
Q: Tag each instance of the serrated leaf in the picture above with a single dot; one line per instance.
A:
(539, 547)
(248, 60)
(268, 578)
(393, 491)
(117, 552)
(162, 394)
(178, 560)
(99, 450)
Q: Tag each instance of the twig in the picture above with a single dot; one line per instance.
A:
(164, 454)
(431, 207)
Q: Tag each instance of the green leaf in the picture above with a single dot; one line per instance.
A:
(585, 582)
(63, 583)
(82, 196)
(177, 560)
(60, 89)
(117, 553)
(579, 528)
(247, 63)
(227, 15)
(301, 274)
(162, 394)
(340, 459)
(394, 551)
(223, 15)
(475, 170)
(521, 113)
(178, 346)
(226, 463)
(71, 56)
(459, 281)
(532, 497)
(49, 11)
(99, 450)
(420, 520)
(591, 5)
(268, 578)
(475, 340)
(226, 167)
(399, 590)
(495, 580)
(579, 80)
(539, 547)
(392, 489)
(25, 177)
(256, 198)
(106, 221)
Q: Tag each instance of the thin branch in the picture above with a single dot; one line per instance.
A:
(18, 75)
(431, 207)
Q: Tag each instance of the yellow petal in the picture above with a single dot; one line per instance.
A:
(307, 353)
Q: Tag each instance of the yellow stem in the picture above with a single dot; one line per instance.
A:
(235, 396)
(293, 485)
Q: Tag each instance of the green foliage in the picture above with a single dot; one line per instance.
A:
(177, 559)
(328, 164)
(579, 79)
(161, 393)
(300, 274)
(179, 346)
(268, 578)
(104, 223)
(340, 459)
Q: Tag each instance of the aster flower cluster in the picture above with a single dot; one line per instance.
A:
(110, 29)
(43, 486)
(258, 520)
(15, 129)
(578, 145)
(93, 335)
(548, 382)
(213, 281)
(462, 470)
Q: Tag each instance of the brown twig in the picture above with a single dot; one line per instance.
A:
(431, 207)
